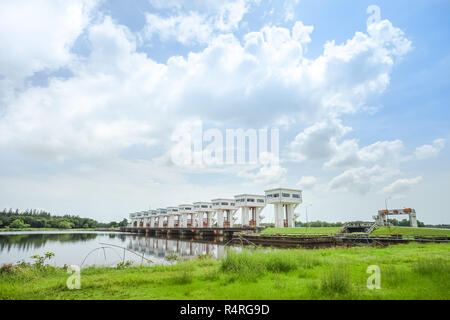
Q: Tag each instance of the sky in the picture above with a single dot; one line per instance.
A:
(96, 95)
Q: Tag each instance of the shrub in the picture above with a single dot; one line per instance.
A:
(185, 277)
(172, 257)
(124, 265)
(393, 276)
(336, 280)
(431, 266)
(8, 268)
(279, 262)
(244, 265)
(18, 224)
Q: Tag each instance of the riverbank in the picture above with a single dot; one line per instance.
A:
(413, 271)
(378, 231)
(53, 229)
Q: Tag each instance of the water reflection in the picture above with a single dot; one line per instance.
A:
(162, 247)
(76, 247)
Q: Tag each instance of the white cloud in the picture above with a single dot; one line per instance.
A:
(186, 29)
(401, 186)
(203, 21)
(301, 32)
(429, 151)
(318, 141)
(38, 35)
(361, 180)
(270, 173)
(349, 154)
(119, 98)
(307, 182)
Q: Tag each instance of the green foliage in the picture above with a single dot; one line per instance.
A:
(430, 266)
(124, 264)
(336, 280)
(42, 219)
(411, 231)
(184, 276)
(302, 230)
(251, 264)
(19, 224)
(320, 224)
(413, 271)
(39, 261)
(172, 257)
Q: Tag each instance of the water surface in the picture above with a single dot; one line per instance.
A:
(99, 248)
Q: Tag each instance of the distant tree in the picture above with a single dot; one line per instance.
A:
(64, 225)
(123, 223)
(18, 224)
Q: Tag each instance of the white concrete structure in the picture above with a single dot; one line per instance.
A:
(133, 221)
(186, 215)
(285, 201)
(200, 209)
(382, 217)
(172, 217)
(253, 204)
(161, 214)
(140, 219)
(225, 210)
(152, 219)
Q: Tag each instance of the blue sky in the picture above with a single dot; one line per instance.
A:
(92, 93)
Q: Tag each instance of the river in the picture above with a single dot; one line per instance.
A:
(100, 248)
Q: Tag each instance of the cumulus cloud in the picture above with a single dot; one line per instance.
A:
(119, 98)
(349, 154)
(307, 182)
(270, 173)
(401, 186)
(187, 29)
(429, 151)
(361, 180)
(199, 25)
(38, 35)
(318, 141)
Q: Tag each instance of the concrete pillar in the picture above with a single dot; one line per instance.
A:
(160, 221)
(209, 214)
(413, 220)
(245, 219)
(170, 222)
(290, 215)
(231, 217)
(258, 216)
(198, 218)
(183, 220)
(220, 219)
(279, 215)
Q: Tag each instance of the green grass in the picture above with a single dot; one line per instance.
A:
(413, 271)
(302, 230)
(411, 231)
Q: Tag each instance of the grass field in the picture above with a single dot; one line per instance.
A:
(303, 230)
(413, 271)
(411, 231)
(377, 231)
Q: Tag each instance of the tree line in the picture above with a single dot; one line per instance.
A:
(33, 218)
